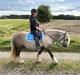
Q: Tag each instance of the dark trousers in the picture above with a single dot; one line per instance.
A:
(37, 36)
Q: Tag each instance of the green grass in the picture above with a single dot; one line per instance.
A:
(10, 26)
(66, 66)
(73, 47)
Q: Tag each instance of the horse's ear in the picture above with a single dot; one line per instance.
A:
(65, 33)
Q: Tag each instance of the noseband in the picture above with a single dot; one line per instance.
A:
(63, 38)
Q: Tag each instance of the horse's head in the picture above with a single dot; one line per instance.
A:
(60, 36)
(65, 39)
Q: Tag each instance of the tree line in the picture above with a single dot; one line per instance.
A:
(15, 17)
(65, 17)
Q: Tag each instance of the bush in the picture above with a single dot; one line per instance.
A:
(44, 14)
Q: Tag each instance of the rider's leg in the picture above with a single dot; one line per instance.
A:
(40, 38)
(36, 41)
(39, 35)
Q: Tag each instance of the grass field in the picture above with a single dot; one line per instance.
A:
(10, 26)
(65, 67)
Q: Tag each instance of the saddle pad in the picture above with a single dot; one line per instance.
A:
(29, 36)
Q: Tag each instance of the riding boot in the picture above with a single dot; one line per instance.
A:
(37, 44)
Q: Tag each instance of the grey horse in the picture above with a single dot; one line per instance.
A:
(51, 36)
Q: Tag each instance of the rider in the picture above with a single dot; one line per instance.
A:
(35, 29)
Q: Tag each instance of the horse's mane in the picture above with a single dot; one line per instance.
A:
(56, 30)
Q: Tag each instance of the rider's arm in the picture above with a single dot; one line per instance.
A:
(37, 23)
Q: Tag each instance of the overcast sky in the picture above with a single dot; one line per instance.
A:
(8, 7)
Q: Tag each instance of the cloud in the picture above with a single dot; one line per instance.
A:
(60, 0)
(22, 6)
(73, 12)
(67, 10)
(26, 1)
(62, 8)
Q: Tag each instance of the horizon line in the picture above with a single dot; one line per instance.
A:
(12, 12)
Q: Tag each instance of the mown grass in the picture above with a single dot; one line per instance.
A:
(10, 26)
(64, 66)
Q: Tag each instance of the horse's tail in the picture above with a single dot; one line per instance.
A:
(13, 49)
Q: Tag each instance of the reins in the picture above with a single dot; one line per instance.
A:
(53, 37)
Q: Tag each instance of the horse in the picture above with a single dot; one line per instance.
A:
(51, 36)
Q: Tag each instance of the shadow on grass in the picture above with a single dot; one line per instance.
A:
(10, 66)
(29, 65)
(52, 66)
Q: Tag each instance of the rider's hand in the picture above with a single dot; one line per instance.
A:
(39, 28)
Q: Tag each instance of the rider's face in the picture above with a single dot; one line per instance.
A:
(35, 14)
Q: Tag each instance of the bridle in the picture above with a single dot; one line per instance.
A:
(63, 38)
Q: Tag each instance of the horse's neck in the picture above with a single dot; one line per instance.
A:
(55, 34)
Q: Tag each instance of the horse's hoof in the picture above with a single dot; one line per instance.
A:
(38, 61)
(19, 60)
(55, 61)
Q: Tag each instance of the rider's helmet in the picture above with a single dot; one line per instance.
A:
(33, 11)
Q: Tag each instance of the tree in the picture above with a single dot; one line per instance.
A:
(44, 14)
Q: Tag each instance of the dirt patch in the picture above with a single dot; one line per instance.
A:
(44, 55)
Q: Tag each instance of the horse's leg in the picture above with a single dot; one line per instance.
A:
(18, 59)
(50, 53)
(39, 53)
(52, 56)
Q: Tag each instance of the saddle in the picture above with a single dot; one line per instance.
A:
(30, 37)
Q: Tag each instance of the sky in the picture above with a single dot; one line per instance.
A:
(67, 7)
